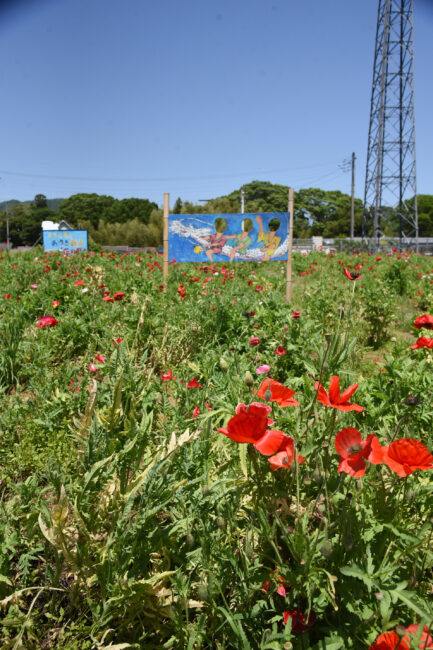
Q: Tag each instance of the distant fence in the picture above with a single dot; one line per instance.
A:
(338, 245)
(347, 245)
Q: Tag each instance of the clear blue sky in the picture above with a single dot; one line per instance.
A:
(193, 97)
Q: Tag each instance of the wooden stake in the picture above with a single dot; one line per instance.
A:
(289, 252)
(165, 240)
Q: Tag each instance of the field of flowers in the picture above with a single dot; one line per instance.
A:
(210, 467)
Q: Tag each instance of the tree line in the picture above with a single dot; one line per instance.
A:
(138, 222)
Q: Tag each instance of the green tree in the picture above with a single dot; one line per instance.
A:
(177, 206)
(40, 201)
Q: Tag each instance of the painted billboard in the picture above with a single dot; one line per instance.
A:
(229, 237)
(64, 240)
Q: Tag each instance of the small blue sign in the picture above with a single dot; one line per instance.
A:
(65, 241)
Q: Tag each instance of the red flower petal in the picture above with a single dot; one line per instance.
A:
(279, 393)
(422, 342)
(347, 394)
(322, 395)
(334, 390)
(345, 440)
(426, 641)
(249, 425)
(269, 442)
(377, 452)
(353, 465)
(255, 407)
(389, 641)
(423, 321)
(406, 455)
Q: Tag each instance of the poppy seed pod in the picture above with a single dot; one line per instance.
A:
(190, 539)
(268, 394)
(379, 595)
(326, 548)
(348, 541)
(412, 582)
(202, 593)
(412, 400)
(410, 496)
(220, 522)
(249, 379)
(224, 365)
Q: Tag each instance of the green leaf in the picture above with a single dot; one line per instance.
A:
(243, 459)
(354, 571)
(405, 597)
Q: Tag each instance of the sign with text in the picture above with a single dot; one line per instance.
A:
(65, 241)
(229, 237)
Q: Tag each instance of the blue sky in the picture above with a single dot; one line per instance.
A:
(193, 97)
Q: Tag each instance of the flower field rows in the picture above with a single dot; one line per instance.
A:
(209, 467)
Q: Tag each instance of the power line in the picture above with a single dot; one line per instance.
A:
(161, 179)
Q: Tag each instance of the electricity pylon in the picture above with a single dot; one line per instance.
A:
(390, 179)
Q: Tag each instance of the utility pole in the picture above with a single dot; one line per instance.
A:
(242, 201)
(352, 201)
(7, 225)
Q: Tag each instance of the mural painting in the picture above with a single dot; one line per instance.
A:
(229, 237)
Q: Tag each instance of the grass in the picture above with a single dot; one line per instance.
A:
(127, 518)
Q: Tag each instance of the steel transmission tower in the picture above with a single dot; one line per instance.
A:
(390, 180)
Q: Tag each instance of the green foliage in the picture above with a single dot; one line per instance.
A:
(128, 520)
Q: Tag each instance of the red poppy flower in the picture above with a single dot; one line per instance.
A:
(334, 398)
(47, 321)
(107, 299)
(389, 641)
(406, 455)
(296, 314)
(353, 451)
(258, 288)
(285, 455)
(426, 640)
(55, 303)
(254, 340)
(118, 340)
(351, 275)
(423, 321)
(250, 424)
(422, 342)
(100, 358)
(194, 384)
(280, 351)
(78, 283)
(119, 295)
(167, 376)
(93, 367)
(196, 412)
(281, 582)
(298, 619)
(7, 296)
(279, 393)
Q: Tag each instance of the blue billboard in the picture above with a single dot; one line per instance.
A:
(229, 237)
(65, 241)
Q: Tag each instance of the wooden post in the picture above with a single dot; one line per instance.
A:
(165, 240)
(289, 252)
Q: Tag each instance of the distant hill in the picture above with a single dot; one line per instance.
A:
(53, 204)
